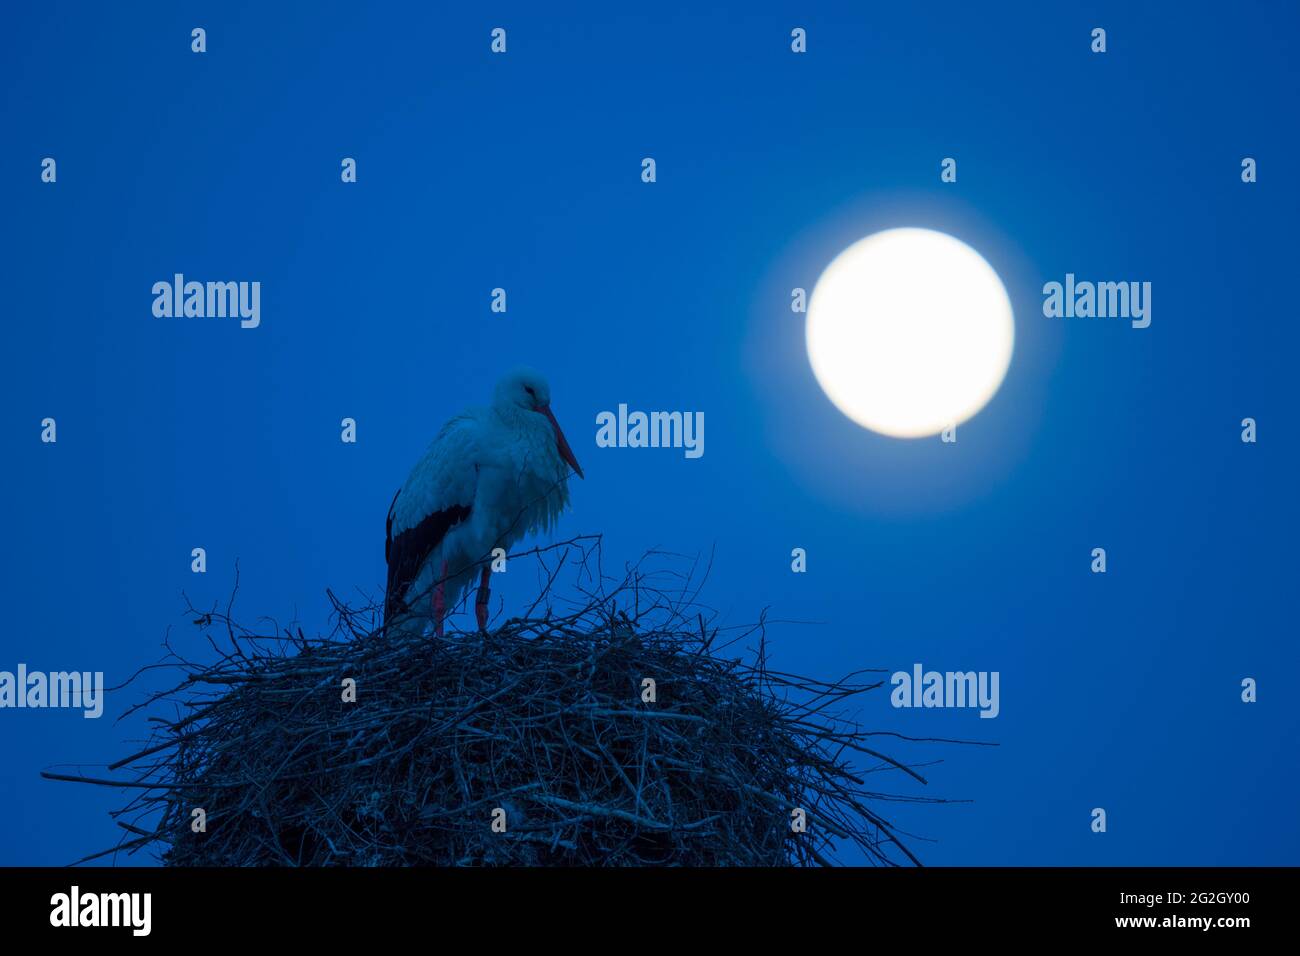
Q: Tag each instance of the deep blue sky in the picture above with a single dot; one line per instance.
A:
(522, 171)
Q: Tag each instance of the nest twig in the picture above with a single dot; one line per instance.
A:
(535, 744)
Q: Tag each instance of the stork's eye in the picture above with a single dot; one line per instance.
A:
(529, 390)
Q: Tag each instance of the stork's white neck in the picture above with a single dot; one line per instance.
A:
(533, 430)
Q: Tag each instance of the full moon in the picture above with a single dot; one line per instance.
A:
(909, 331)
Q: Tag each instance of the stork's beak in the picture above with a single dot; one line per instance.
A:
(561, 442)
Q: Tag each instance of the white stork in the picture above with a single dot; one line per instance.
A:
(491, 476)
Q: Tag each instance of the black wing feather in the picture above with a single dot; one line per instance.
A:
(407, 552)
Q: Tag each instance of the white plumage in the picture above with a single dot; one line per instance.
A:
(491, 476)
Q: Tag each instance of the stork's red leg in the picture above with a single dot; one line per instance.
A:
(439, 601)
(481, 605)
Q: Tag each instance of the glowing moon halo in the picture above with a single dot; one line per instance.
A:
(909, 331)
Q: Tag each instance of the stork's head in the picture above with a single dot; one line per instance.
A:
(526, 389)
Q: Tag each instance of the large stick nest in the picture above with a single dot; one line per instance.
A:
(540, 727)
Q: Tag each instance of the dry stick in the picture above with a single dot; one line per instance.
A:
(473, 716)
